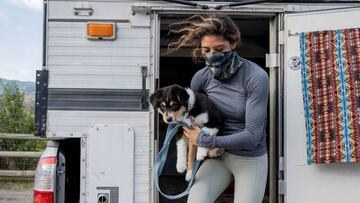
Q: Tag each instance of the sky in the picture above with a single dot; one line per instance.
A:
(20, 39)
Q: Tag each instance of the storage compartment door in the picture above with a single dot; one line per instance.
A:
(110, 164)
(314, 183)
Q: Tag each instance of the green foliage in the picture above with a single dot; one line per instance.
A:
(15, 118)
(12, 113)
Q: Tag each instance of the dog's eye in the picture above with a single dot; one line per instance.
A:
(162, 106)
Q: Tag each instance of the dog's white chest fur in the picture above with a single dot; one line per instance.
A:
(199, 120)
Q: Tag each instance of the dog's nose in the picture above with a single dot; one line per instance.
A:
(169, 119)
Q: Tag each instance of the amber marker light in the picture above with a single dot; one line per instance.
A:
(100, 30)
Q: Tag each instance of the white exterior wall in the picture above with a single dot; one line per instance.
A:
(108, 9)
(76, 62)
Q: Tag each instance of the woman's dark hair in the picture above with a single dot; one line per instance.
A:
(194, 28)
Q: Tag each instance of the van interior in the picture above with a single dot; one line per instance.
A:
(178, 68)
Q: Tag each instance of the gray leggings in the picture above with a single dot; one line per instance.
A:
(214, 175)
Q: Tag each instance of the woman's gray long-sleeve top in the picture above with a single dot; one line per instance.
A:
(242, 102)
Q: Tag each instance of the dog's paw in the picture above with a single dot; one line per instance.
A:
(181, 166)
(201, 153)
(215, 152)
(188, 175)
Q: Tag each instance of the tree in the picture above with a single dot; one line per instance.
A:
(12, 113)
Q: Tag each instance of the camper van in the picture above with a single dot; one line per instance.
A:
(103, 58)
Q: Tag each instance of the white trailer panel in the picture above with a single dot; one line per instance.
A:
(96, 64)
(101, 10)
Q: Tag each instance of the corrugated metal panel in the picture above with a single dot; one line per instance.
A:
(92, 61)
(76, 62)
(81, 121)
(80, 31)
(120, 43)
(129, 53)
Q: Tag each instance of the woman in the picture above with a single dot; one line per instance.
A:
(239, 89)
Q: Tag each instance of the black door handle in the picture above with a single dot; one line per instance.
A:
(144, 103)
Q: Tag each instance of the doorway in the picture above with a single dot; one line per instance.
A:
(178, 68)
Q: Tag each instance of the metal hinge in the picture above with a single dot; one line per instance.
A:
(281, 182)
(281, 37)
(272, 60)
(281, 187)
(281, 163)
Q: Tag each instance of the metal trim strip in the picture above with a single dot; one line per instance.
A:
(87, 99)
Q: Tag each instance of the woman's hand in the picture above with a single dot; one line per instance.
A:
(192, 134)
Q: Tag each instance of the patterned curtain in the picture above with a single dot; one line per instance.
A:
(330, 74)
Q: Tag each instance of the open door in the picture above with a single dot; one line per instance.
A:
(303, 182)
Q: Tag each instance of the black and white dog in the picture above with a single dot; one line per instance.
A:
(176, 103)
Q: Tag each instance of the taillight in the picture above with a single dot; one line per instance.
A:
(44, 186)
(43, 197)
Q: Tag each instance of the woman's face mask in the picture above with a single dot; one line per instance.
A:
(221, 64)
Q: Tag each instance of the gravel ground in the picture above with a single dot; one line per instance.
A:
(10, 196)
(16, 191)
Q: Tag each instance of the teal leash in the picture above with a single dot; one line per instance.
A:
(161, 159)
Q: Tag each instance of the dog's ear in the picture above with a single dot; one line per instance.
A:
(154, 98)
(183, 95)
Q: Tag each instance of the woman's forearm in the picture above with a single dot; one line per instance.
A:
(243, 139)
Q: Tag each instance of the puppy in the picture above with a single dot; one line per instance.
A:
(176, 103)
